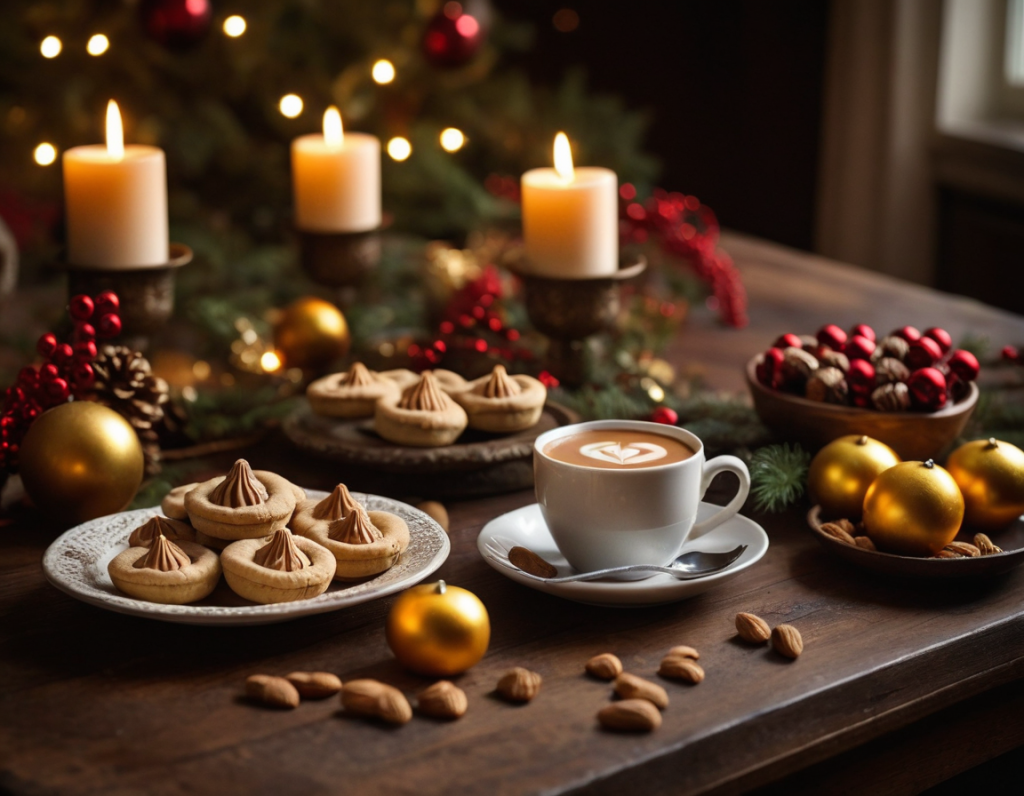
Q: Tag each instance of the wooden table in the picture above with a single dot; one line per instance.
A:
(901, 685)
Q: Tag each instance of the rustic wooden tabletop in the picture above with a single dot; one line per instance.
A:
(901, 684)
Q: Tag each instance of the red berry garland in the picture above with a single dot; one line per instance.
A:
(68, 373)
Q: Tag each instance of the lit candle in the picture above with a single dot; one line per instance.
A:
(570, 218)
(336, 179)
(116, 202)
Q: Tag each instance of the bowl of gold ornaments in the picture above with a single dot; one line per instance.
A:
(917, 518)
(913, 391)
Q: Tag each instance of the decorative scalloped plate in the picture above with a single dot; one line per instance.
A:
(76, 563)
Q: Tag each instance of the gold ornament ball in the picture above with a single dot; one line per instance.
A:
(842, 471)
(914, 508)
(311, 333)
(438, 630)
(990, 473)
(79, 461)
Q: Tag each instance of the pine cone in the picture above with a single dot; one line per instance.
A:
(125, 383)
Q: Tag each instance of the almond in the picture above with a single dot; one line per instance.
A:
(443, 700)
(375, 699)
(273, 691)
(604, 666)
(679, 668)
(531, 563)
(629, 686)
(315, 685)
(752, 628)
(630, 715)
(519, 685)
(683, 651)
(837, 531)
(786, 640)
(436, 511)
(865, 543)
(965, 549)
(947, 554)
(985, 545)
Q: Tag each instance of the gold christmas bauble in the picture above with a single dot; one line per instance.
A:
(842, 471)
(438, 630)
(311, 333)
(913, 508)
(80, 461)
(990, 474)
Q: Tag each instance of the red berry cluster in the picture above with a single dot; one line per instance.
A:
(907, 369)
(66, 371)
(1013, 355)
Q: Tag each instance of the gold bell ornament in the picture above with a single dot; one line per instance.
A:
(311, 333)
(990, 473)
(842, 471)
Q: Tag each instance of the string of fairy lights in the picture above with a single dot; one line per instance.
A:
(291, 106)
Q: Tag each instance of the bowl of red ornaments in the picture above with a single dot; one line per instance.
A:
(911, 390)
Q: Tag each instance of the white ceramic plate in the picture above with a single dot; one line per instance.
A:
(76, 563)
(525, 527)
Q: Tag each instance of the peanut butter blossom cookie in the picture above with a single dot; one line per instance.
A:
(364, 543)
(336, 506)
(423, 416)
(350, 394)
(279, 569)
(173, 504)
(173, 573)
(501, 403)
(155, 527)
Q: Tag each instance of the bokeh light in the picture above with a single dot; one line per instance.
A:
(98, 44)
(399, 148)
(290, 105)
(234, 26)
(383, 72)
(566, 20)
(50, 47)
(270, 362)
(452, 139)
(45, 154)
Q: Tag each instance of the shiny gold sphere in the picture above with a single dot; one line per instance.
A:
(914, 509)
(80, 461)
(990, 473)
(438, 630)
(842, 471)
(311, 333)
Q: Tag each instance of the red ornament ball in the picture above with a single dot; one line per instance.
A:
(452, 38)
(859, 347)
(108, 326)
(861, 376)
(832, 336)
(924, 352)
(788, 340)
(107, 301)
(908, 333)
(940, 336)
(81, 308)
(769, 369)
(48, 372)
(47, 345)
(927, 388)
(176, 24)
(665, 416)
(1010, 354)
(863, 330)
(964, 364)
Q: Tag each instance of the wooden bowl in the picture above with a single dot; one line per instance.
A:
(915, 436)
(1011, 540)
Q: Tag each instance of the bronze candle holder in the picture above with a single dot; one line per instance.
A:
(146, 293)
(568, 311)
(339, 259)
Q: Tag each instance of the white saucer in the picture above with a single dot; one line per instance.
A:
(525, 527)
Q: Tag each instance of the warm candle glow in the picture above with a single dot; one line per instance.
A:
(333, 132)
(563, 157)
(115, 132)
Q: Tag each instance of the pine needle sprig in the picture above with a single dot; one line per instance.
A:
(778, 476)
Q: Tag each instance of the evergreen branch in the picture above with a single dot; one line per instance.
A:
(778, 476)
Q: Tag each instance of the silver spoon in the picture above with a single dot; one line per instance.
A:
(688, 566)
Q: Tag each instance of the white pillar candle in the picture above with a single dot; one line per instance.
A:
(570, 219)
(336, 179)
(116, 202)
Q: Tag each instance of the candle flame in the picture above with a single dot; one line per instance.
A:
(333, 132)
(563, 157)
(115, 132)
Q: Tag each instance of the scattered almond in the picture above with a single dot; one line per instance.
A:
(946, 553)
(519, 685)
(786, 640)
(630, 715)
(443, 700)
(683, 651)
(315, 685)
(965, 549)
(375, 699)
(865, 543)
(985, 545)
(752, 628)
(629, 686)
(531, 563)
(604, 666)
(436, 511)
(837, 531)
(273, 691)
(679, 668)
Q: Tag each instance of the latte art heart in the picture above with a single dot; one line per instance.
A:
(632, 453)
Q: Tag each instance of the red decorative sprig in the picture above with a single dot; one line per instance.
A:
(65, 373)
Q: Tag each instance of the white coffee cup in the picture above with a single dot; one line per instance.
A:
(608, 517)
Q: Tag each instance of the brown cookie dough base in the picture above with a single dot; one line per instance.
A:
(358, 561)
(179, 587)
(267, 586)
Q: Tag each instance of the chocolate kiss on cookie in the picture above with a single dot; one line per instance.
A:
(166, 572)
(245, 504)
(335, 506)
(501, 403)
(350, 394)
(155, 527)
(425, 416)
(363, 543)
(283, 568)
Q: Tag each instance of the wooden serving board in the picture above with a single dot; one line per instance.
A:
(477, 464)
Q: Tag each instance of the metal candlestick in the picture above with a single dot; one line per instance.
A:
(339, 259)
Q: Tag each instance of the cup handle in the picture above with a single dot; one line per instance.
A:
(721, 464)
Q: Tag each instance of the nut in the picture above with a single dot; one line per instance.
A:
(679, 668)
(604, 666)
(436, 511)
(630, 715)
(375, 699)
(985, 545)
(315, 685)
(945, 553)
(531, 563)
(786, 640)
(519, 684)
(629, 686)
(865, 543)
(965, 549)
(837, 531)
(443, 700)
(273, 691)
(752, 628)
(683, 651)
